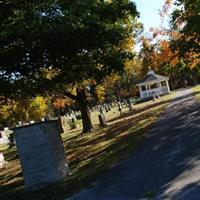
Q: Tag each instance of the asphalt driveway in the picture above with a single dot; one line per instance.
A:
(165, 166)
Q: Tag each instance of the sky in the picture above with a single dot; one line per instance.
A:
(149, 13)
(149, 16)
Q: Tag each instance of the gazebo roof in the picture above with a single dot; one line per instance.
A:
(152, 77)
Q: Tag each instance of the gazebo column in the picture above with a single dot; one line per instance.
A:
(167, 84)
(159, 87)
(140, 90)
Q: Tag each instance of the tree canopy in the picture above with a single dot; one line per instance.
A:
(71, 40)
(55, 46)
(185, 20)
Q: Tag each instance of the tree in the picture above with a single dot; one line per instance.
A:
(37, 108)
(131, 75)
(185, 20)
(60, 104)
(23, 110)
(54, 46)
(29, 109)
(6, 109)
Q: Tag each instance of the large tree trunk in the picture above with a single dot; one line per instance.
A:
(86, 120)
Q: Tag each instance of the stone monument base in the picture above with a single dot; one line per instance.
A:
(41, 154)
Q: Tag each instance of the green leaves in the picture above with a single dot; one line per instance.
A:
(185, 19)
(74, 37)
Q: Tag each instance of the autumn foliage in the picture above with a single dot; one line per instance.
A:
(23, 110)
(97, 73)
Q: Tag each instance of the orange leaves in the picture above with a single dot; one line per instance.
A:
(174, 60)
(61, 102)
(164, 45)
(159, 53)
(174, 51)
(166, 54)
(175, 35)
(193, 59)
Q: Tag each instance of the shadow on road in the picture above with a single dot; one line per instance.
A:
(166, 164)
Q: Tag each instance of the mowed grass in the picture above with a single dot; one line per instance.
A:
(196, 91)
(89, 155)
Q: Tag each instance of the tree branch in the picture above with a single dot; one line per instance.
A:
(70, 95)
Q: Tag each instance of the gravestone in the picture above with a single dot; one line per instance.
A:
(120, 108)
(109, 107)
(2, 160)
(93, 109)
(67, 116)
(11, 140)
(102, 120)
(101, 110)
(6, 129)
(64, 124)
(73, 115)
(106, 108)
(20, 123)
(4, 137)
(97, 108)
(73, 123)
(130, 105)
(79, 116)
(41, 154)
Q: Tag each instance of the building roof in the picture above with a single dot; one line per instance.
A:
(152, 77)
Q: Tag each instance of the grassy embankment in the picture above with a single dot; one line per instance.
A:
(89, 155)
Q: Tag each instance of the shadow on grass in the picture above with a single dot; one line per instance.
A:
(153, 105)
(89, 156)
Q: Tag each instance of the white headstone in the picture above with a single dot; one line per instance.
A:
(41, 154)
(2, 160)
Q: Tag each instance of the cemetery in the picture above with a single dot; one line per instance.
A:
(98, 101)
(117, 139)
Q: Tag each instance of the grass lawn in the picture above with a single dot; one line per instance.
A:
(196, 91)
(89, 155)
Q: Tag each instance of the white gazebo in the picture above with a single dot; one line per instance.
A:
(153, 84)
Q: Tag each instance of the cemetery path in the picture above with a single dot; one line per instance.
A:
(165, 166)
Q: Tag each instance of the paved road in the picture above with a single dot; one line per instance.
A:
(165, 166)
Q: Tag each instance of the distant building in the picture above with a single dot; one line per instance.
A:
(153, 84)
